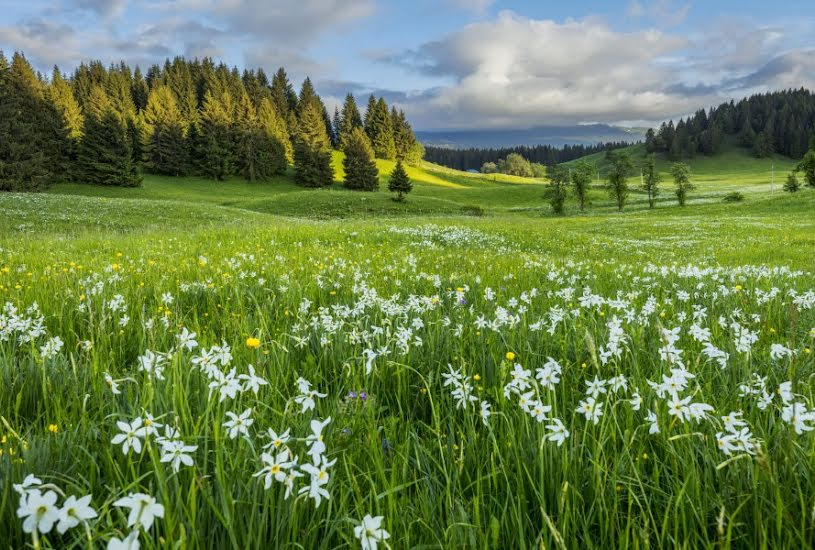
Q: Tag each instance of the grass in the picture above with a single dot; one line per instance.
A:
(387, 304)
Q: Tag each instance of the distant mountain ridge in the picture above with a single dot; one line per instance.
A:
(556, 136)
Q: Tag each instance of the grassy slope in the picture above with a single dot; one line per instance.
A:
(443, 191)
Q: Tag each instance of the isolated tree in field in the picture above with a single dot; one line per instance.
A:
(400, 182)
(489, 168)
(361, 173)
(650, 180)
(621, 167)
(792, 184)
(32, 131)
(807, 167)
(515, 165)
(581, 179)
(312, 151)
(681, 174)
(557, 189)
(105, 155)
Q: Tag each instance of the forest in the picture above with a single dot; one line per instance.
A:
(106, 125)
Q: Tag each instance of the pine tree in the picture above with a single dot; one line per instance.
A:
(807, 166)
(105, 156)
(681, 174)
(335, 129)
(349, 119)
(283, 96)
(61, 95)
(369, 116)
(214, 149)
(651, 179)
(163, 136)
(139, 91)
(271, 121)
(32, 134)
(312, 150)
(361, 172)
(400, 182)
(380, 131)
(792, 185)
(261, 155)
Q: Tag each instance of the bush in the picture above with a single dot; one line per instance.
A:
(735, 196)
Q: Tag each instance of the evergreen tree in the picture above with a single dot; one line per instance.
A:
(32, 131)
(349, 119)
(139, 91)
(380, 131)
(792, 184)
(261, 155)
(361, 172)
(618, 177)
(651, 179)
(807, 166)
(369, 116)
(557, 188)
(61, 95)
(283, 96)
(163, 135)
(581, 179)
(105, 156)
(400, 182)
(274, 125)
(214, 149)
(681, 174)
(312, 150)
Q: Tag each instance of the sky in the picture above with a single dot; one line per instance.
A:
(455, 64)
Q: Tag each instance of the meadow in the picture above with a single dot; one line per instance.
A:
(195, 364)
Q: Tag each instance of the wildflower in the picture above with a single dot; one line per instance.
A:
(679, 408)
(276, 441)
(510, 356)
(252, 381)
(275, 467)
(557, 432)
(186, 339)
(485, 412)
(143, 509)
(319, 479)
(114, 387)
(176, 453)
(636, 401)
(654, 422)
(797, 415)
(130, 542)
(252, 343)
(591, 409)
(238, 424)
(595, 387)
(315, 439)
(131, 435)
(53, 428)
(75, 511)
(370, 532)
(778, 351)
(38, 511)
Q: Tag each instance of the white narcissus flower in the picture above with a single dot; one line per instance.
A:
(75, 511)
(370, 532)
(176, 453)
(130, 542)
(38, 511)
(557, 432)
(238, 424)
(143, 509)
(131, 435)
(315, 439)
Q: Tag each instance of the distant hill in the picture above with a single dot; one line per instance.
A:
(556, 136)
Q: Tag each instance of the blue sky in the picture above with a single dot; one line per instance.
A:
(455, 63)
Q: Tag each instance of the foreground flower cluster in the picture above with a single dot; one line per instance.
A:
(228, 393)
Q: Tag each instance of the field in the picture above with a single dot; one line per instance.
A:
(272, 365)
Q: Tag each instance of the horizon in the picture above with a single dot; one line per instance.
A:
(630, 64)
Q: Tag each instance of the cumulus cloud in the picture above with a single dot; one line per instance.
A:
(515, 71)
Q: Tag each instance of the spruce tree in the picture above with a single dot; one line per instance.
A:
(380, 131)
(807, 166)
(361, 172)
(274, 125)
(651, 179)
(105, 156)
(349, 119)
(312, 150)
(215, 149)
(400, 182)
(32, 131)
(164, 142)
(792, 185)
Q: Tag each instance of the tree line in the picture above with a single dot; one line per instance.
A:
(777, 122)
(547, 155)
(105, 125)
